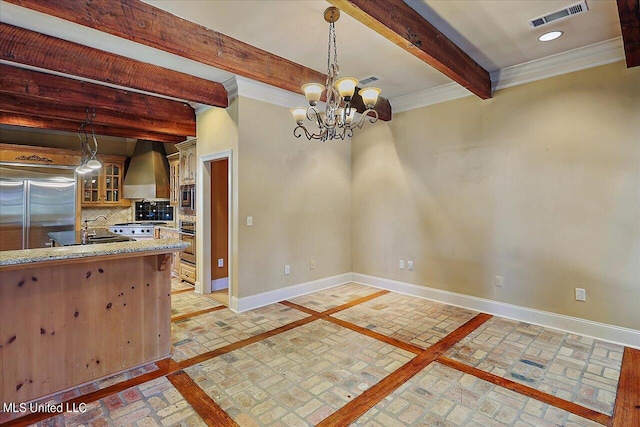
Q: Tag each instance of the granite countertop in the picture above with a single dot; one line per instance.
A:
(27, 256)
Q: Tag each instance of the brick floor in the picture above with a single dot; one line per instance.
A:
(210, 331)
(407, 318)
(334, 297)
(189, 302)
(155, 403)
(575, 368)
(441, 396)
(297, 377)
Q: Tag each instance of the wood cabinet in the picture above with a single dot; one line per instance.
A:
(188, 273)
(188, 162)
(168, 233)
(174, 179)
(103, 187)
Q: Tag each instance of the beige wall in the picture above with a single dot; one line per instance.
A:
(299, 195)
(540, 185)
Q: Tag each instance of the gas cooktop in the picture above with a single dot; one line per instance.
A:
(141, 223)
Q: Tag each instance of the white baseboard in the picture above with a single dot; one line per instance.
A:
(219, 284)
(601, 331)
(270, 297)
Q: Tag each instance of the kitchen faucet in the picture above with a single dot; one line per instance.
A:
(85, 228)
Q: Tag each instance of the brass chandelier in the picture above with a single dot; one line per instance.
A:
(337, 119)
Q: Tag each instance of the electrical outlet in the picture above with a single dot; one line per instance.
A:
(220, 262)
(287, 269)
(249, 221)
(410, 265)
(499, 281)
(401, 264)
(581, 294)
(312, 264)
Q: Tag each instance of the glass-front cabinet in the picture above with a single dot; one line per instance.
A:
(103, 187)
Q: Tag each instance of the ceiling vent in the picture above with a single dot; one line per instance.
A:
(368, 80)
(560, 14)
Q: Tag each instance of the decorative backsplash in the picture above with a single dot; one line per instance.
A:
(153, 211)
(115, 215)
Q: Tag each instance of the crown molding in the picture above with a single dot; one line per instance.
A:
(578, 59)
(435, 95)
(262, 92)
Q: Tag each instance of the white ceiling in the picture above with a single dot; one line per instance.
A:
(495, 33)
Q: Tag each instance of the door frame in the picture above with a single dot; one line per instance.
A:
(203, 214)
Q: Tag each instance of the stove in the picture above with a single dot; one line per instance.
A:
(143, 230)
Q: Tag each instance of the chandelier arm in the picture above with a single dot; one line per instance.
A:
(298, 132)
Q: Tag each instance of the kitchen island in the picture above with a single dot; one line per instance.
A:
(75, 314)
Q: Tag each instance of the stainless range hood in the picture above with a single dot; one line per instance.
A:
(148, 173)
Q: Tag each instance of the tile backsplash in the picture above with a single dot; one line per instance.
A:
(153, 211)
(115, 215)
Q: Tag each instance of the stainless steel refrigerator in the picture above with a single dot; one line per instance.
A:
(35, 201)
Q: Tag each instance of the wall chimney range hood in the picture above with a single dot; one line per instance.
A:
(148, 173)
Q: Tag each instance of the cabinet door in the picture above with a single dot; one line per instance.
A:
(112, 183)
(174, 182)
(91, 188)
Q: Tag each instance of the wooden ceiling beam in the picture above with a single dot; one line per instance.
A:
(62, 97)
(22, 46)
(145, 24)
(629, 13)
(32, 121)
(43, 107)
(399, 23)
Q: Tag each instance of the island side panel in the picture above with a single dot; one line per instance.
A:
(64, 325)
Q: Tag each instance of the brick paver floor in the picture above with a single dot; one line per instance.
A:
(299, 376)
(407, 318)
(441, 396)
(572, 367)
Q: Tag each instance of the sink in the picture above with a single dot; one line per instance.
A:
(107, 239)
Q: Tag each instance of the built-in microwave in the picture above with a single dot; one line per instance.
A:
(188, 199)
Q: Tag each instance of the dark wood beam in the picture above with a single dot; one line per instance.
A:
(38, 50)
(629, 12)
(31, 121)
(30, 92)
(145, 24)
(53, 109)
(399, 23)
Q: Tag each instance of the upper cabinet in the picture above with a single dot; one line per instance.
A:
(103, 187)
(174, 179)
(188, 161)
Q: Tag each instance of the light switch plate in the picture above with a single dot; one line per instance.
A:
(220, 262)
(249, 221)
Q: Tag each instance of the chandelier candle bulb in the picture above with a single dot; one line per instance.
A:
(369, 96)
(313, 92)
(351, 115)
(299, 114)
(346, 86)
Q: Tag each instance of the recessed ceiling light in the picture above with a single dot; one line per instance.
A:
(551, 35)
